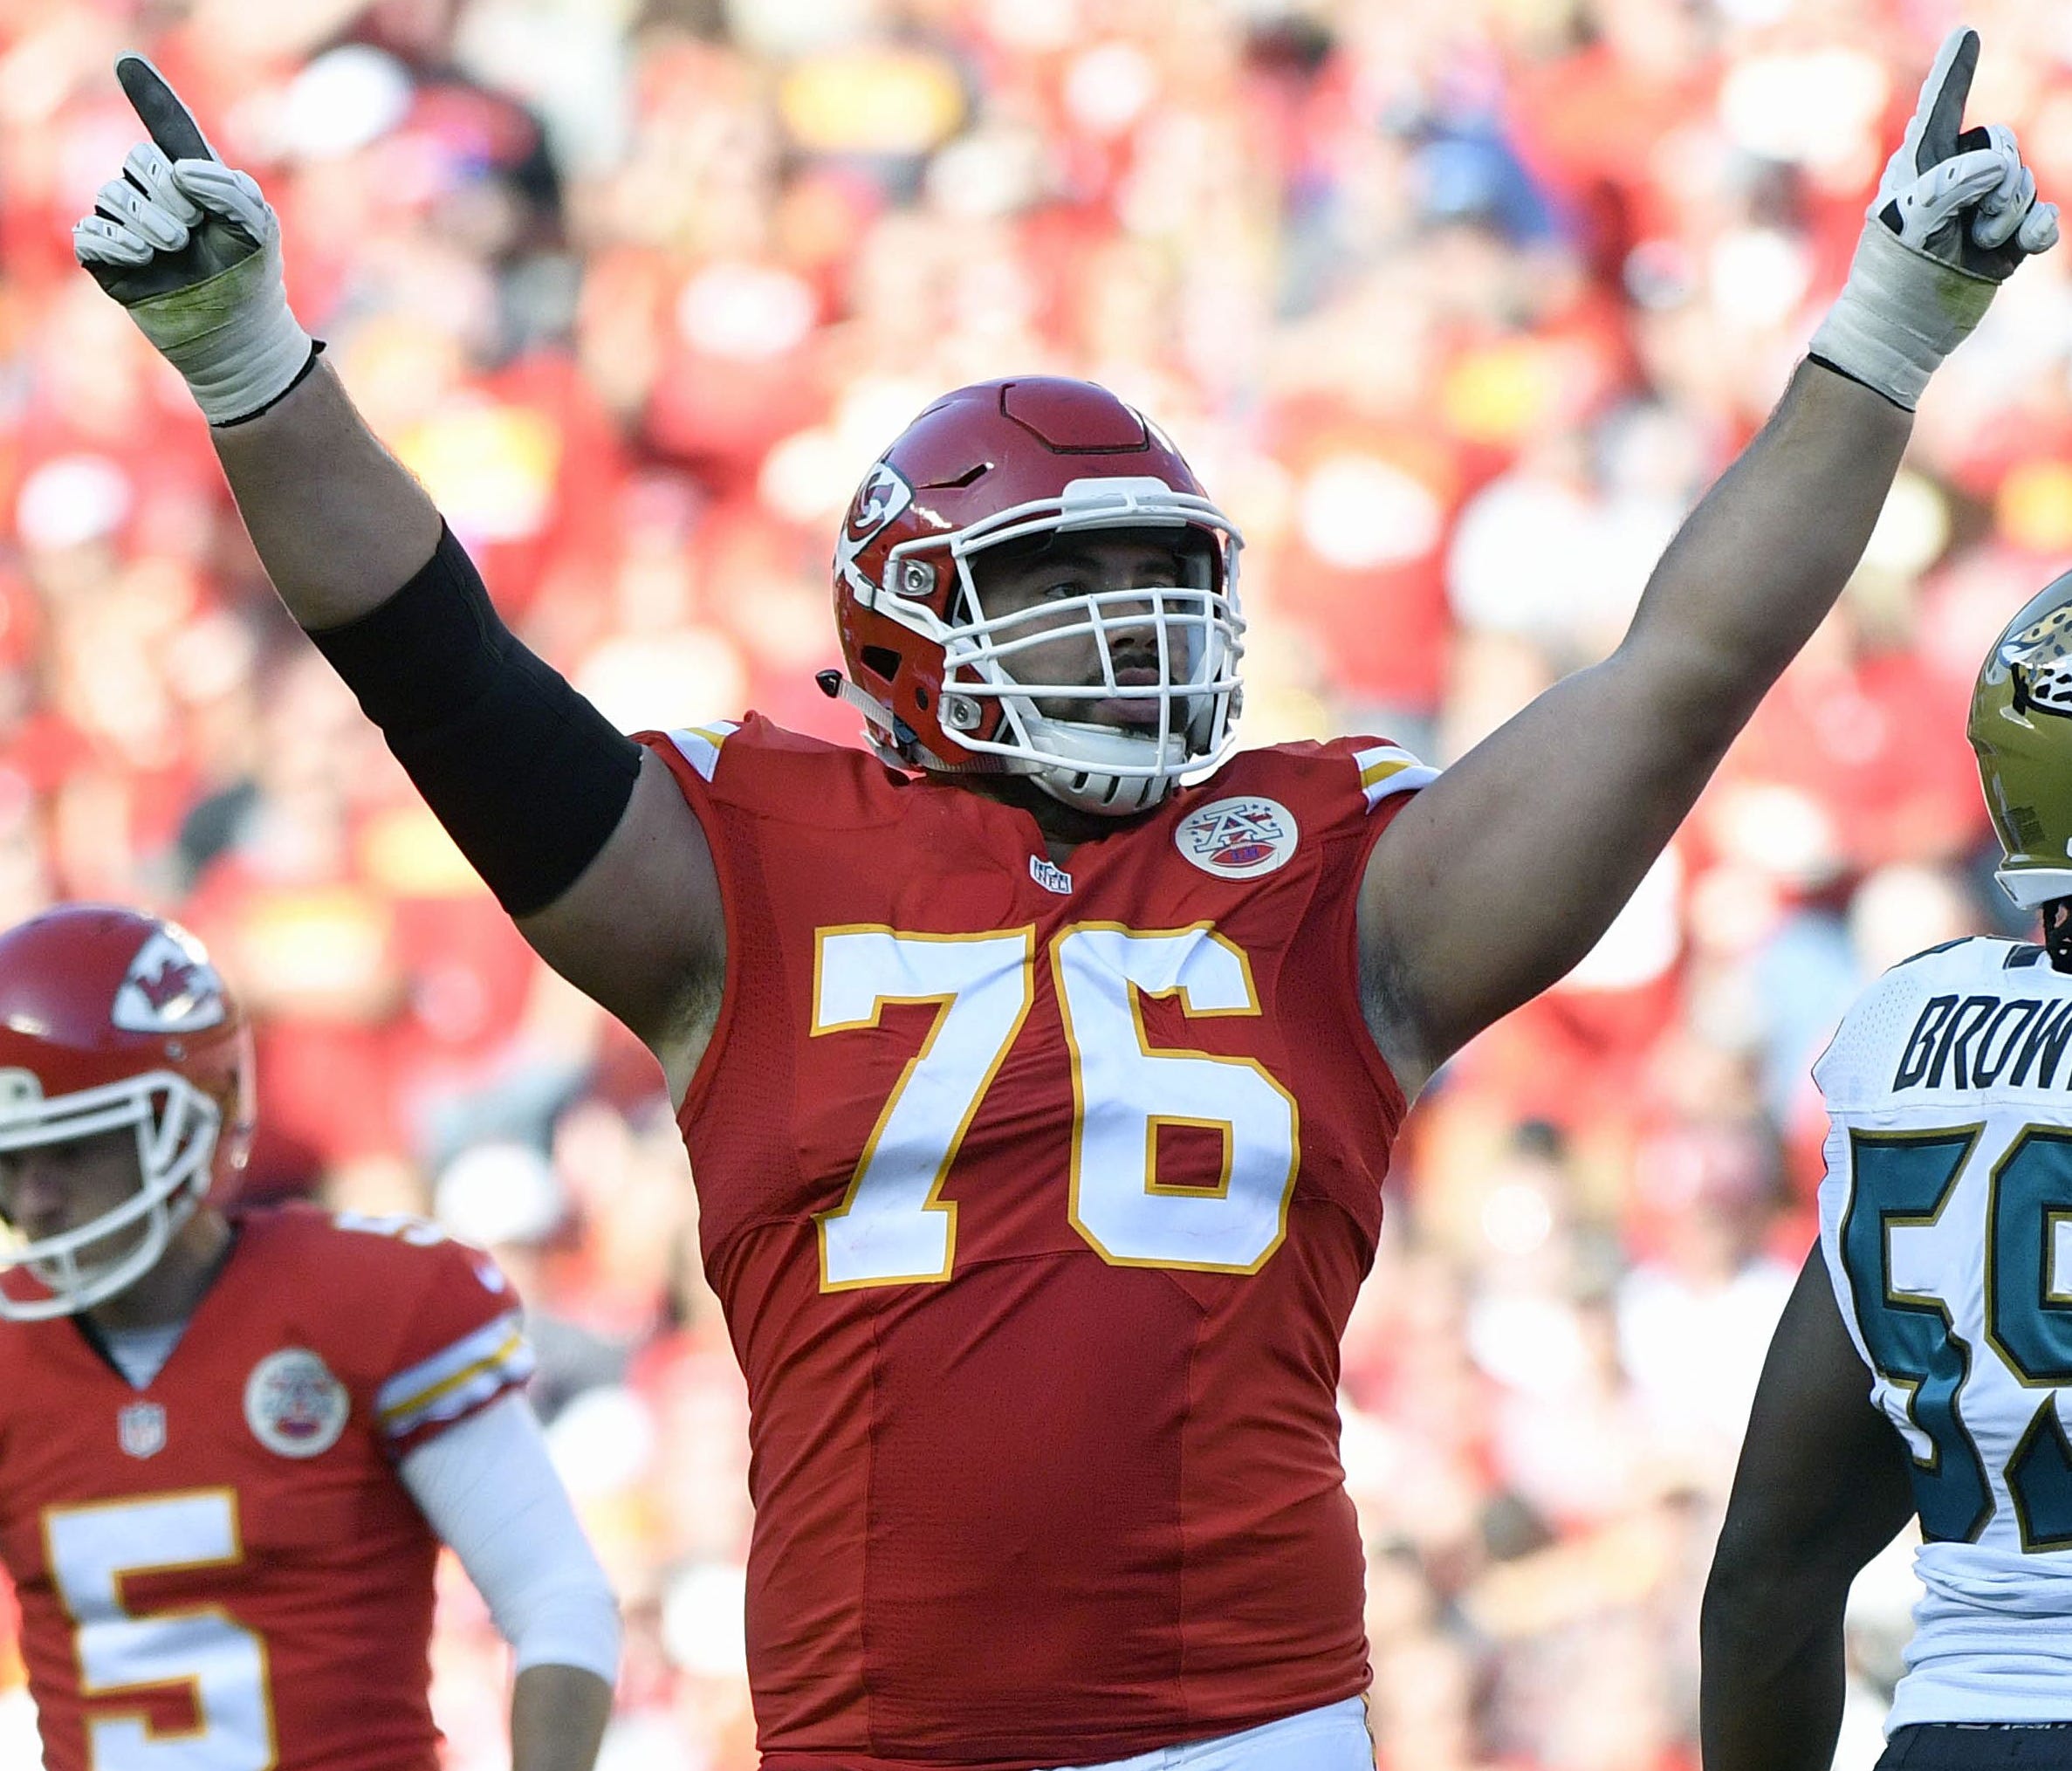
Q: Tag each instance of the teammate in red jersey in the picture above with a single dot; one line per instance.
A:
(230, 1443)
(1039, 1101)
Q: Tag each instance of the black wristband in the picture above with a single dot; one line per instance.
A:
(528, 777)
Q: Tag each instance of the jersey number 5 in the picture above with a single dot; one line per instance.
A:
(91, 1550)
(893, 1228)
(1910, 1176)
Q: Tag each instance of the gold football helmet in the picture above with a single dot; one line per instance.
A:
(2021, 729)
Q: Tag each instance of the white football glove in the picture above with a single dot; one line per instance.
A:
(193, 250)
(1955, 212)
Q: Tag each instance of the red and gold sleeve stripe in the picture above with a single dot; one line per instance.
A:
(1387, 769)
(459, 1378)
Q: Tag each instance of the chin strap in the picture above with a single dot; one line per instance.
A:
(911, 751)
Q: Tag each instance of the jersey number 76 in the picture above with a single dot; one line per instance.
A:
(893, 1228)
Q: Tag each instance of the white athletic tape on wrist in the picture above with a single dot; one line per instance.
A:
(233, 338)
(1898, 316)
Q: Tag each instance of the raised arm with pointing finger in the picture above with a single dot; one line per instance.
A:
(531, 780)
(1040, 1069)
(192, 250)
(1543, 831)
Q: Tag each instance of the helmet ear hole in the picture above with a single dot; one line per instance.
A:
(881, 661)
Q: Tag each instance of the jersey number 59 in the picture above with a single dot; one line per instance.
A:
(1910, 1176)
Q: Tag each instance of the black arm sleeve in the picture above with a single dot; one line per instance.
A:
(528, 777)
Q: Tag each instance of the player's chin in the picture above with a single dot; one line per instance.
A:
(111, 1250)
(1118, 713)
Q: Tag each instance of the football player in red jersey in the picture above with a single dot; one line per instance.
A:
(231, 1442)
(1040, 1071)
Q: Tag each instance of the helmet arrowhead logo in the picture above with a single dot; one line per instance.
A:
(882, 497)
(169, 988)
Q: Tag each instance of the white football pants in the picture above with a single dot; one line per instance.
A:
(1332, 1738)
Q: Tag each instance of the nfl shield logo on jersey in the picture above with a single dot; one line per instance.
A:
(1237, 838)
(293, 1405)
(141, 1429)
(1048, 874)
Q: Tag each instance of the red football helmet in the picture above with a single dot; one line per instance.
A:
(111, 1018)
(1017, 460)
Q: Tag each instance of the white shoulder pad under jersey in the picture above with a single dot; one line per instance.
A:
(1946, 1224)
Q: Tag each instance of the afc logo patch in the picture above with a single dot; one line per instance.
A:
(293, 1405)
(1237, 838)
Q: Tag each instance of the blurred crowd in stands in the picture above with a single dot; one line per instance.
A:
(1455, 304)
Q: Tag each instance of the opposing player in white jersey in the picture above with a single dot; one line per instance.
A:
(1924, 1362)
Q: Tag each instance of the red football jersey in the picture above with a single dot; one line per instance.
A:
(1038, 1199)
(226, 1556)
